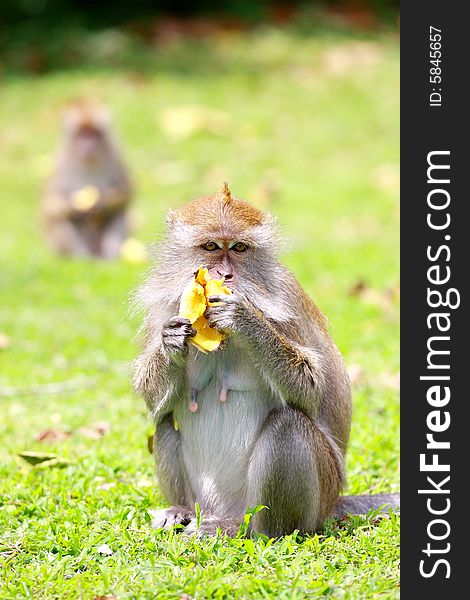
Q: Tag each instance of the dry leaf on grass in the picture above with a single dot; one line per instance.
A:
(382, 298)
(52, 435)
(41, 460)
(181, 122)
(34, 458)
(95, 431)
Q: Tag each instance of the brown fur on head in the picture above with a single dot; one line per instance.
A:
(87, 131)
(220, 214)
(86, 113)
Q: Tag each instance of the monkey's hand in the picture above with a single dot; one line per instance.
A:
(296, 371)
(225, 312)
(175, 334)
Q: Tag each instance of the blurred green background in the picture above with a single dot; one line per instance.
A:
(296, 106)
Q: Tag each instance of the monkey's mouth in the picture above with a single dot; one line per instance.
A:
(230, 284)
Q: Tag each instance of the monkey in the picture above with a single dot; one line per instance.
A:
(279, 437)
(85, 201)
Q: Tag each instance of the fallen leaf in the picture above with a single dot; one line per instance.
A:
(181, 122)
(358, 288)
(52, 435)
(33, 458)
(102, 427)
(104, 549)
(106, 597)
(92, 434)
(53, 462)
(95, 431)
(41, 460)
(383, 299)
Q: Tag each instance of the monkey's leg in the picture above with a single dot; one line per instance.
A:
(65, 238)
(170, 476)
(296, 471)
(113, 235)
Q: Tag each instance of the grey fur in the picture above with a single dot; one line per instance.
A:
(362, 504)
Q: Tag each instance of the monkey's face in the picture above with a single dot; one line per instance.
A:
(224, 258)
(88, 142)
(230, 238)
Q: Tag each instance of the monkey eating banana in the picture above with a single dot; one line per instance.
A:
(270, 407)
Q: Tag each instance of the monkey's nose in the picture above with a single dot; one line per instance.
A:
(226, 276)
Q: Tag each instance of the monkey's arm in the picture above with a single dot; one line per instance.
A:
(56, 206)
(115, 197)
(158, 371)
(296, 371)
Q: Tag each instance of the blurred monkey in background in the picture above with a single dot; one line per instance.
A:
(84, 207)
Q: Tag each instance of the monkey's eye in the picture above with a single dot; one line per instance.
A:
(210, 246)
(239, 247)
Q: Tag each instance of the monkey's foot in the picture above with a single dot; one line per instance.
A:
(165, 518)
(209, 526)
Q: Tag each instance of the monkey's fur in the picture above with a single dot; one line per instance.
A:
(280, 438)
(89, 156)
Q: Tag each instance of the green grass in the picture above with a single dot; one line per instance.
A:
(315, 116)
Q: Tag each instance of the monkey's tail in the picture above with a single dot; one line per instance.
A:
(356, 505)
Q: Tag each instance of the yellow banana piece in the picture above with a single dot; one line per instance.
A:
(194, 302)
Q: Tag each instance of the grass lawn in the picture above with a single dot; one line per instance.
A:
(302, 123)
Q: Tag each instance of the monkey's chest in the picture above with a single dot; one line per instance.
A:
(219, 420)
